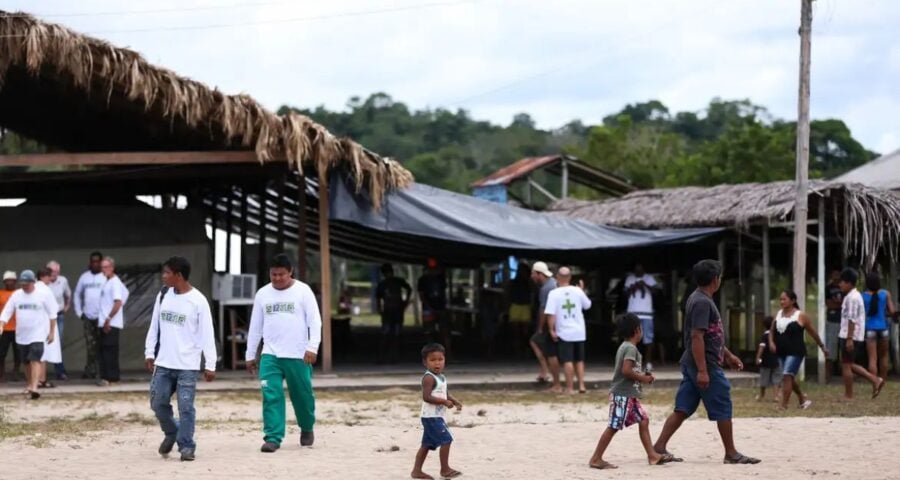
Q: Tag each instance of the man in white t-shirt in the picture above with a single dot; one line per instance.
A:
(565, 319)
(639, 289)
(63, 295)
(286, 318)
(52, 350)
(113, 296)
(852, 335)
(35, 324)
(86, 301)
(181, 330)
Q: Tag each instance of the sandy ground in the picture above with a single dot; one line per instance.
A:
(378, 438)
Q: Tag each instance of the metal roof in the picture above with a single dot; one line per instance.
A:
(579, 172)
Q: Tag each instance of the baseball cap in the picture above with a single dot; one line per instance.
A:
(27, 276)
(9, 275)
(541, 267)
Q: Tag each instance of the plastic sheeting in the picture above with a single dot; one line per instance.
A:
(424, 221)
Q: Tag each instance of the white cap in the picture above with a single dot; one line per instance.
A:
(541, 267)
(10, 275)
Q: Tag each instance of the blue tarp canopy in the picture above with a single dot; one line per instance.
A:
(460, 230)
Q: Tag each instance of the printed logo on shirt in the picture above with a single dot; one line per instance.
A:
(172, 317)
(568, 307)
(28, 306)
(93, 285)
(280, 307)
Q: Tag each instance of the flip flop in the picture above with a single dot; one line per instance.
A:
(34, 395)
(673, 459)
(452, 474)
(877, 390)
(542, 380)
(604, 465)
(741, 459)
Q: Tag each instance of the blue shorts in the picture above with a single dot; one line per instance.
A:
(791, 364)
(716, 397)
(435, 434)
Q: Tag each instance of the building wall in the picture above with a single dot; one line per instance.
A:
(138, 238)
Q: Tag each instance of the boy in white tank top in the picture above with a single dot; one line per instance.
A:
(435, 402)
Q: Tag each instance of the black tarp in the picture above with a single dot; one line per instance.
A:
(424, 221)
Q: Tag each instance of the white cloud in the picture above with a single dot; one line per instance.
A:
(574, 59)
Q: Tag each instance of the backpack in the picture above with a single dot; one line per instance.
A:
(162, 293)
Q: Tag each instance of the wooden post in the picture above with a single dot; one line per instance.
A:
(262, 257)
(564, 191)
(417, 306)
(820, 295)
(325, 256)
(301, 229)
(801, 207)
(895, 337)
(244, 198)
(280, 206)
(674, 292)
(723, 309)
(215, 236)
(229, 224)
(767, 304)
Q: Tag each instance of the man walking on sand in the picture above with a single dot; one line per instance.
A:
(565, 321)
(181, 329)
(286, 318)
(703, 378)
(543, 346)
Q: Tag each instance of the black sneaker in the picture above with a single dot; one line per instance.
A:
(165, 448)
(269, 447)
(307, 439)
(187, 455)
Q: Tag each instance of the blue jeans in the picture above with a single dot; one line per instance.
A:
(59, 368)
(164, 383)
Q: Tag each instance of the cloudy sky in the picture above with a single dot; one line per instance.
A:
(557, 61)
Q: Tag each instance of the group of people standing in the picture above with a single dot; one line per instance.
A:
(857, 331)
(33, 319)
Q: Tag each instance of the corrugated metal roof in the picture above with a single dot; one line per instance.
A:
(579, 172)
(517, 170)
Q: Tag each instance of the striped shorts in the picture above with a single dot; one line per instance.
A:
(625, 411)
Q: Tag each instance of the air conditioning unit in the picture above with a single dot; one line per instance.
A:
(233, 287)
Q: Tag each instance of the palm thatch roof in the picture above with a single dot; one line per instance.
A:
(83, 94)
(867, 218)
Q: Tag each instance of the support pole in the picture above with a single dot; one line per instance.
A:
(895, 338)
(244, 198)
(215, 235)
(801, 207)
(325, 256)
(726, 321)
(564, 190)
(767, 286)
(302, 267)
(229, 225)
(262, 257)
(280, 213)
(820, 296)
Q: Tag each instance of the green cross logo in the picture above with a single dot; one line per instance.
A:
(568, 306)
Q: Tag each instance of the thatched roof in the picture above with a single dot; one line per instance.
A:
(867, 217)
(83, 94)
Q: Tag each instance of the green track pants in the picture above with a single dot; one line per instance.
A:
(273, 372)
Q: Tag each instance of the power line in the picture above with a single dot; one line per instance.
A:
(569, 65)
(143, 12)
(360, 13)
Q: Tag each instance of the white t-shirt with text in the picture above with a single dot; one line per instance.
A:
(567, 305)
(33, 314)
(287, 321)
(183, 324)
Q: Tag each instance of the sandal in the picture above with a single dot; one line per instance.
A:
(542, 380)
(451, 474)
(741, 459)
(664, 459)
(34, 395)
(603, 465)
(46, 384)
(672, 456)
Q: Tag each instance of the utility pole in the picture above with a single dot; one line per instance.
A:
(801, 208)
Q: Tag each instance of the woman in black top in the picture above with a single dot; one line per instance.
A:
(786, 339)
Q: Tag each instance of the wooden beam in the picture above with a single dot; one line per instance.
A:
(262, 258)
(280, 212)
(229, 225)
(128, 158)
(820, 297)
(301, 229)
(244, 198)
(325, 256)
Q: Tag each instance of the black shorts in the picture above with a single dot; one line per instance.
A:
(548, 346)
(31, 352)
(571, 351)
(859, 355)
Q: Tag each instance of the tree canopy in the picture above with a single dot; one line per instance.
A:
(729, 141)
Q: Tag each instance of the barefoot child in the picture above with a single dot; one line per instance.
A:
(769, 368)
(435, 401)
(624, 405)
